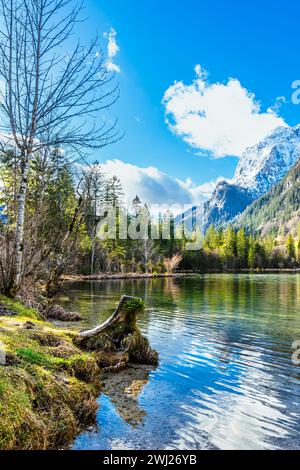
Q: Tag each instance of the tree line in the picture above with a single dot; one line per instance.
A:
(64, 206)
(54, 100)
(232, 248)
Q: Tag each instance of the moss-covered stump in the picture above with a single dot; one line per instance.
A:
(120, 336)
(50, 378)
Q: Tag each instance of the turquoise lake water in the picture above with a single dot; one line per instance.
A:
(226, 379)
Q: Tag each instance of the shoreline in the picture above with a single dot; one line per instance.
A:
(51, 376)
(49, 387)
(133, 276)
(120, 276)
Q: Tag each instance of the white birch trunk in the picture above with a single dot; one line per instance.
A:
(19, 237)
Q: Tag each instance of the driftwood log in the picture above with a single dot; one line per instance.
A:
(119, 340)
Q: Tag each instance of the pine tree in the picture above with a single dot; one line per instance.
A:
(241, 246)
(268, 249)
(220, 237)
(211, 238)
(229, 243)
(290, 247)
(114, 195)
(136, 205)
(93, 188)
(251, 253)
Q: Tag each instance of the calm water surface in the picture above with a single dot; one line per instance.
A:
(225, 379)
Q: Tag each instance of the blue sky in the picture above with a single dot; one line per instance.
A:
(256, 43)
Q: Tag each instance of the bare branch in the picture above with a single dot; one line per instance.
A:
(52, 98)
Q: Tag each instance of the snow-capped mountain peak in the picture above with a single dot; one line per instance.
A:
(267, 162)
(259, 169)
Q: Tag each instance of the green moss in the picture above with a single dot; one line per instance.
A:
(139, 350)
(16, 413)
(19, 308)
(33, 357)
(40, 410)
(135, 306)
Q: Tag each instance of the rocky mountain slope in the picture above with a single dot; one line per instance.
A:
(226, 202)
(259, 169)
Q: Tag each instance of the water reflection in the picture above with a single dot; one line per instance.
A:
(123, 389)
(225, 378)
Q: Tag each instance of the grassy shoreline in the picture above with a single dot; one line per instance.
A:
(49, 383)
(48, 387)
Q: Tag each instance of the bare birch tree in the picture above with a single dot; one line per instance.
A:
(50, 98)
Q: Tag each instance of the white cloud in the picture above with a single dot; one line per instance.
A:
(155, 187)
(112, 67)
(219, 119)
(200, 192)
(112, 50)
(113, 47)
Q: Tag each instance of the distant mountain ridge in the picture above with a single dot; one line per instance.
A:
(259, 169)
(226, 202)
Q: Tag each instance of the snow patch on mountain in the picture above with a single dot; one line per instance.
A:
(259, 169)
(267, 162)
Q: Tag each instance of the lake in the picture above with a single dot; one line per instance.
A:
(226, 379)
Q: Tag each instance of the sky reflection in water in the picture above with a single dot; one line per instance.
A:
(225, 378)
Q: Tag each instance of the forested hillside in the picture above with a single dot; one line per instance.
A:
(278, 211)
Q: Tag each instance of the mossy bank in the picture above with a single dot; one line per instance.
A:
(49, 381)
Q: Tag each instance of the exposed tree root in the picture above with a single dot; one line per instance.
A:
(120, 335)
(50, 377)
